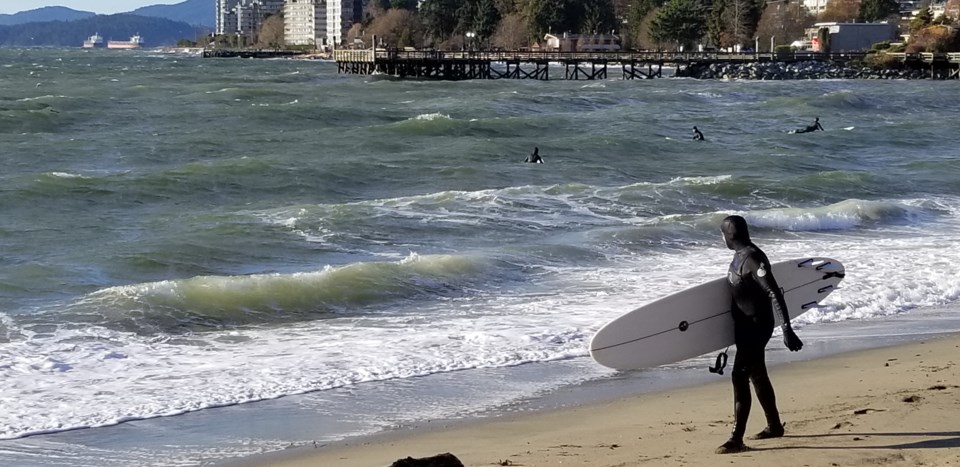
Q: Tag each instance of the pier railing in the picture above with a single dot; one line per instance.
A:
(925, 57)
(497, 64)
(370, 56)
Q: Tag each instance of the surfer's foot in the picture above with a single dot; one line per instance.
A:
(732, 446)
(769, 433)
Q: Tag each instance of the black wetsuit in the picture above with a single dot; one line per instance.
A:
(757, 306)
(810, 128)
(534, 158)
(697, 135)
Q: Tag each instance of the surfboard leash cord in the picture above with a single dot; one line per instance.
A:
(721, 362)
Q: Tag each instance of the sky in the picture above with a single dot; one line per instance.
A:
(97, 6)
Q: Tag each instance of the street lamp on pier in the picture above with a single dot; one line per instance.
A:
(470, 36)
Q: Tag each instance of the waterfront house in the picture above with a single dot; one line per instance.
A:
(850, 37)
(581, 43)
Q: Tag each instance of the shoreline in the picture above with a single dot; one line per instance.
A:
(689, 422)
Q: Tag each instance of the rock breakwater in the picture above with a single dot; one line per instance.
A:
(795, 70)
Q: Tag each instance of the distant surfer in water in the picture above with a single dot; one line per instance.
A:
(756, 305)
(535, 157)
(697, 135)
(810, 128)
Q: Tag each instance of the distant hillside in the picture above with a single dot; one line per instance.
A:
(50, 13)
(199, 12)
(155, 31)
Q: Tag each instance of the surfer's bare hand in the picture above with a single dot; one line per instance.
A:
(790, 339)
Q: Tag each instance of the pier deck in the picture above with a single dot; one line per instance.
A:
(251, 53)
(462, 65)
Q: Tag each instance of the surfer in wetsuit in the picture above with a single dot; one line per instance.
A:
(535, 157)
(757, 304)
(697, 135)
(811, 128)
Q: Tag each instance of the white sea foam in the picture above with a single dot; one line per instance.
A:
(431, 116)
(96, 376)
(838, 216)
(65, 175)
(700, 180)
(39, 98)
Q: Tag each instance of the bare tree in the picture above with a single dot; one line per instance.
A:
(506, 7)
(511, 33)
(356, 32)
(935, 38)
(840, 11)
(270, 35)
(373, 9)
(739, 17)
(396, 28)
(642, 38)
(783, 21)
(952, 9)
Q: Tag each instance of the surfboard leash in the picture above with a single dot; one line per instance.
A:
(721, 362)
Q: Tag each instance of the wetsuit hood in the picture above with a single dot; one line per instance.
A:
(735, 233)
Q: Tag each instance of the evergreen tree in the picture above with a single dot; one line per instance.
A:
(715, 23)
(404, 5)
(682, 22)
(487, 18)
(439, 17)
(922, 20)
(556, 16)
(877, 10)
(637, 11)
(597, 17)
(507, 7)
(477, 16)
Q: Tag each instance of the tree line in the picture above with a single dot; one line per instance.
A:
(640, 24)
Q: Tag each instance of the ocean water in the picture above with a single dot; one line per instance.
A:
(180, 234)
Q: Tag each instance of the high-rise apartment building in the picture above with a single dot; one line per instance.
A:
(244, 16)
(305, 22)
(339, 20)
(226, 17)
(323, 23)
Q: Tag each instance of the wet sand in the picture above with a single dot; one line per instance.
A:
(896, 406)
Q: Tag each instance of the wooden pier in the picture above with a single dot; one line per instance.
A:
(464, 65)
(251, 53)
(941, 66)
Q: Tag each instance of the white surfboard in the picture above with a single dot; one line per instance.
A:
(697, 321)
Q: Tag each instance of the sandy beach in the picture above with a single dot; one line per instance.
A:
(894, 406)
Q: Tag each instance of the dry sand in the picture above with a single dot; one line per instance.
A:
(893, 406)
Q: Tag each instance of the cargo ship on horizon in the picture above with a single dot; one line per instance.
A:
(93, 42)
(135, 42)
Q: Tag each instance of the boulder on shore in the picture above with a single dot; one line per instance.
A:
(440, 460)
(799, 70)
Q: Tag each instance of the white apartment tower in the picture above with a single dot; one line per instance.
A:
(226, 17)
(323, 23)
(339, 20)
(244, 16)
(305, 22)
